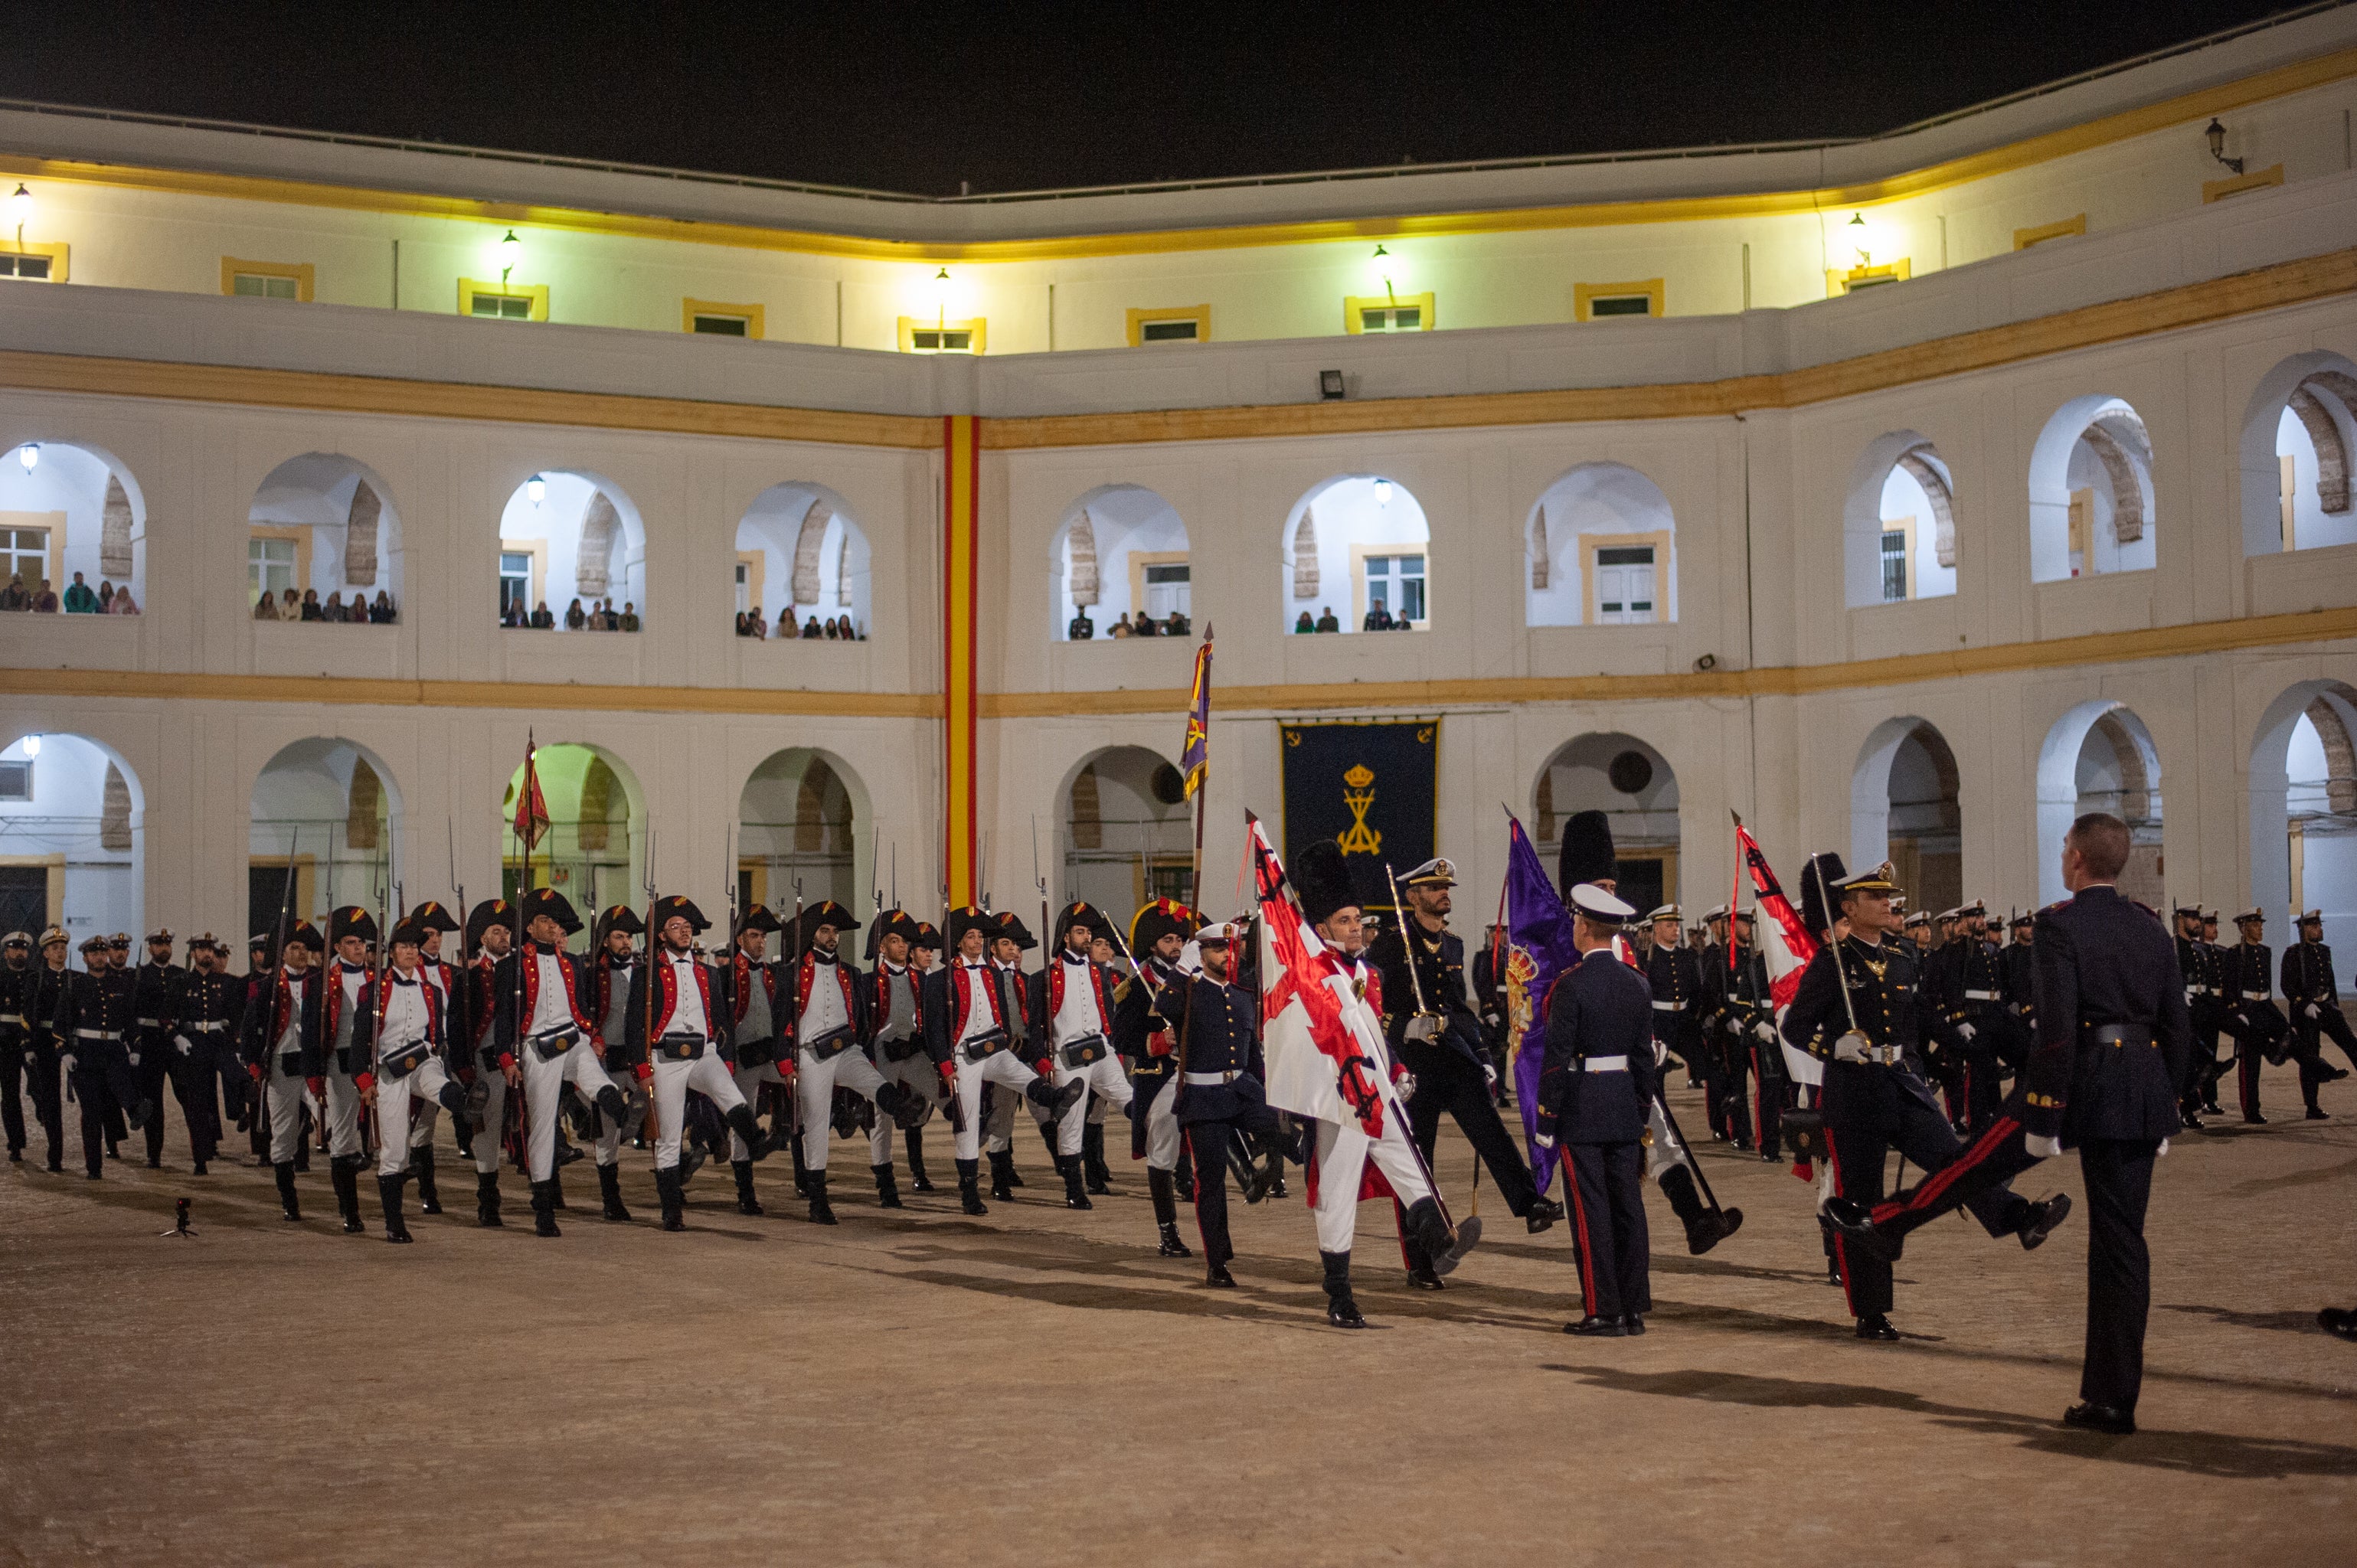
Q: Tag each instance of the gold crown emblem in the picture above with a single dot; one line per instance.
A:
(1359, 777)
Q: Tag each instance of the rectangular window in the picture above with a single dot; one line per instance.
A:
(1392, 318)
(1591, 300)
(1167, 332)
(503, 302)
(1387, 313)
(269, 567)
(1168, 588)
(744, 587)
(721, 325)
(252, 285)
(24, 551)
(515, 581)
(506, 306)
(719, 319)
(939, 337)
(1624, 584)
(16, 781)
(265, 280)
(1894, 567)
(1170, 324)
(1396, 585)
(20, 267)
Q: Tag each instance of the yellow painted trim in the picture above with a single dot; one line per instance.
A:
(2300, 75)
(55, 523)
(1840, 280)
(1353, 304)
(1359, 554)
(2025, 238)
(757, 572)
(302, 273)
(753, 316)
(535, 291)
(54, 894)
(1665, 562)
(1585, 294)
(1139, 560)
(538, 550)
(475, 695)
(1201, 315)
(911, 325)
(58, 259)
(297, 536)
(2235, 185)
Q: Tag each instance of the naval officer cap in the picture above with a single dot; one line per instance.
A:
(1666, 912)
(2312, 918)
(1218, 934)
(1433, 873)
(1717, 912)
(1598, 905)
(2252, 915)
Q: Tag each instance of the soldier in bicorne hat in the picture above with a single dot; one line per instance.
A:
(1158, 935)
(892, 1014)
(339, 1051)
(679, 1017)
(546, 1036)
(826, 1030)
(1071, 996)
(613, 967)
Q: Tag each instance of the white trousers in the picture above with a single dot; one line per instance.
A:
(286, 1094)
(343, 1113)
(815, 1086)
(610, 1133)
(394, 1100)
(1000, 1068)
(707, 1075)
(918, 1075)
(1163, 1135)
(543, 1084)
(1343, 1151)
(1106, 1080)
(749, 1081)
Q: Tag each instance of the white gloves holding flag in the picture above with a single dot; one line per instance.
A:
(1766, 1031)
(1852, 1047)
(1423, 1027)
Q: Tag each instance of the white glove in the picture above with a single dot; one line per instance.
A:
(2164, 1148)
(1661, 1053)
(2311, 1011)
(1735, 1025)
(1965, 1031)
(1405, 1085)
(1766, 1031)
(2043, 1148)
(180, 1042)
(1423, 1027)
(1489, 1075)
(1852, 1047)
(1543, 1141)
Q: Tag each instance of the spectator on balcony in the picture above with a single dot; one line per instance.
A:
(381, 612)
(756, 628)
(813, 630)
(787, 629)
(1180, 626)
(289, 608)
(630, 616)
(1082, 628)
(541, 620)
(1120, 628)
(512, 613)
(575, 618)
(79, 600)
(105, 598)
(123, 603)
(312, 609)
(265, 607)
(1327, 620)
(15, 595)
(333, 610)
(1303, 626)
(741, 619)
(45, 601)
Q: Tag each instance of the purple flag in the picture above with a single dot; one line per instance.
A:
(1538, 948)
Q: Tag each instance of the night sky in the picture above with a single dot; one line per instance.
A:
(916, 100)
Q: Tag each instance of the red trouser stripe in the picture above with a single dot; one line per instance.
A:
(1186, 1149)
(1587, 1252)
(1927, 1193)
(1841, 1248)
(1759, 1104)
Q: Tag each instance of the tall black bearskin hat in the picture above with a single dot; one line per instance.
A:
(1587, 855)
(431, 915)
(1079, 913)
(1322, 878)
(970, 919)
(826, 912)
(678, 904)
(548, 901)
(1010, 926)
(759, 918)
(1163, 918)
(1821, 881)
(618, 918)
(351, 920)
(489, 913)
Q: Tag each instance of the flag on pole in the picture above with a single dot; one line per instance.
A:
(1195, 755)
(1538, 949)
(1785, 945)
(531, 806)
(1321, 1041)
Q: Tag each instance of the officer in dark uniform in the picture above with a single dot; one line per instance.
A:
(2247, 982)
(90, 1015)
(1749, 1016)
(1440, 1043)
(1158, 935)
(1596, 1090)
(156, 987)
(1855, 1011)
(2113, 1043)
(1220, 1076)
(2020, 989)
(2197, 962)
(2315, 1005)
(1973, 1002)
(20, 1058)
(209, 1007)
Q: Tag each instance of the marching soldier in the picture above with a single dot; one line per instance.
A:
(431, 921)
(758, 1045)
(91, 1016)
(352, 932)
(828, 1028)
(1157, 937)
(22, 1048)
(282, 1053)
(398, 1022)
(971, 1022)
(491, 1111)
(1751, 1012)
(610, 979)
(1442, 1048)
(2253, 1018)
(892, 1005)
(1009, 941)
(2196, 962)
(1073, 998)
(209, 1007)
(253, 1115)
(1220, 1093)
(544, 1037)
(1596, 1093)
(2315, 1004)
(1855, 1011)
(678, 1019)
(1973, 1002)
(155, 990)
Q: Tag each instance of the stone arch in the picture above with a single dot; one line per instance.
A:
(1900, 479)
(804, 813)
(1365, 536)
(90, 510)
(334, 807)
(597, 815)
(1585, 510)
(2303, 807)
(348, 531)
(2091, 492)
(1634, 785)
(1121, 550)
(1125, 830)
(2300, 429)
(2099, 756)
(572, 534)
(1904, 808)
(78, 847)
(799, 550)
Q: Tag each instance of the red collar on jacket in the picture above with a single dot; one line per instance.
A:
(879, 993)
(1056, 972)
(806, 975)
(962, 987)
(667, 979)
(742, 992)
(531, 950)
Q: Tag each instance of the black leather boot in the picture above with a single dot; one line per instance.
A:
(344, 1173)
(675, 1203)
(421, 1165)
(970, 1187)
(609, 1187)
(1075, 1195)
(888, 1190)
(543, 1209)
(1704, 1229)
(801, 1167)
(746, 1202)
(822, 1212)
(557, 1188)
(757, 1143)
(487, 1200)
(1445, 1249)
(388, 1192)
(1054, 1101)
(1341, 1308)
(287, 1202)
(918, 1180)
(1165, 1213)
(1002, 1175)
(1099, 1178)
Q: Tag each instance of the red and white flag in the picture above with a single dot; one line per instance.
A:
(1784, 943)
(1323, 1045)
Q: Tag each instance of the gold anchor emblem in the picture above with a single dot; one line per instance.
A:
(1360, 796)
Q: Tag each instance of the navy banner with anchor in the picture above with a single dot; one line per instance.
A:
(1375, 789)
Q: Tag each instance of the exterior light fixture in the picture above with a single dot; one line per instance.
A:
(535, 489)
(1382, 492)
(30, 454)
(511, 253)
(1330, 385)
(2214, 131)
(20, 207)
(32, 746)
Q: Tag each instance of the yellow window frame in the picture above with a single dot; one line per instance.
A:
(55, 523)
(1201, 315)
(757, 564)
(1353, 304)
(912, 325)
(1139, 560)
(302, 273)
(1589, 544)
(538, 550)
(750, 315)
(1359, 554)
(1584, 297)
(2235, 185)
(55, 865)
(2025, 238)
(1840, 280)
(297, 536)
(57, 253)
(535, 291)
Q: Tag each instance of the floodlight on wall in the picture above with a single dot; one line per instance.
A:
(20, 207)
(30, 454)
(1861, 239)
(511, 253)
(1383, 260)
(32, 744)
(1382, 492)
(2214, 131)
(1330, 385)
(535, 489)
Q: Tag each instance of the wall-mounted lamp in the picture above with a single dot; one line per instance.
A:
(30, 454)
(535, 489)
(20, 207)
(511, 253)
(1382, 492)
(1861, 239)
(1330, 385)
(32, 746)
(2214, 131)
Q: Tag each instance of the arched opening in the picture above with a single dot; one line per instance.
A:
(326, 813)
(802, 564)
(2299, 435)
(1898, 523)
(1601, 551)
(596, 814)
(1352, 546)
(2303, 787)
(72, 840)
(1126, 830)
(74, 517)
(323, 542)
(570, 540)
(1634, 786)
(1121, 567)
(2100, 757)
(1903, 809)
(2091, 497)
(799, 818)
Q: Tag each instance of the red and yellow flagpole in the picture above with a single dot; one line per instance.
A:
(961, 603)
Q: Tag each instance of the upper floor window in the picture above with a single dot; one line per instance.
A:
(323, 544)
(1601, 551)
(2091, 494)
(42, 263)
(1599, 301)
(266, 280)
(1357, 554)
(1898, 523)
(941, 336)
(1624, 584)
(1387, 313)
(712, 319)
(503, 302)
(577, 540)
(1176, 324)
(75, 525)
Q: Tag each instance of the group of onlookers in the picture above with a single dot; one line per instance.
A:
(1378, 619)
(81, 599)
(836, 628)
(602, 616)
(1175, 624)
(360, 611)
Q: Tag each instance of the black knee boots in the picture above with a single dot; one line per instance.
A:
(756, 1143)
(1341, 1308)
(746, 1202)
(388, 1192)
(918, 1180)
(344, 1173)
(1076, 1196)
(675, 1201)
(1002, 1175)
(421, 1165)
(888, 1189)
(1704, 1229)
(970, 1187)
(1099, 1178)
(543, 1208)
(487, 1199)
(609, 1187)
(288, 1201)
(1159, 1186)
(822, 1212)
